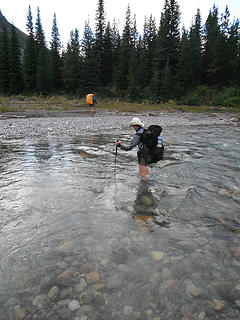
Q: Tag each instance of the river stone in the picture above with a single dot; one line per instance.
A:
(202, 315)
(225, 192)
(99, 286)
(53, 293)
(218, 304)
(127, 310)
(237, 302)
(66, 293)
(81, 285)
(92, 277)
(238, 287)
(74, 305)
(63, 303)
(114, 282)
(19, 313)
(40, 301)
(65, 275)
(236, 251)
(192, 289)
(157, 255)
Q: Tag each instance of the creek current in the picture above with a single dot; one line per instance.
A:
(83, 238)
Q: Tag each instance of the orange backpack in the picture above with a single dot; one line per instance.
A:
(89, 98)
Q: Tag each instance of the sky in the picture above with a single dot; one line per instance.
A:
(72, 14)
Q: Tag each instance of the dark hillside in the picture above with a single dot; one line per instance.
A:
(21, 35)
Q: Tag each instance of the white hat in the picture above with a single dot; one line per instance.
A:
(137, 122)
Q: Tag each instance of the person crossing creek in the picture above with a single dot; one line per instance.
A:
(150, 145)
(91, 101)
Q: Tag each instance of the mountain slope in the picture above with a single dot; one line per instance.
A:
(21, 35)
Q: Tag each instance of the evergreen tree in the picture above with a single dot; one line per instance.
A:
(30, 57)
(212, 48)
(190, 67)
(88, 72)
(56, 62)
(108, 56)
(127, 43)
(4, 62)
(228, 49)
(146, 52)
(43, 59)
(15, 68)
(184, 70)
(234, 47)
(167, 46)
(99, 44)
(71, 64)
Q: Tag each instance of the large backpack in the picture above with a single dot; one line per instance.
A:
(89, 98)
(149, 137)
(149, 140)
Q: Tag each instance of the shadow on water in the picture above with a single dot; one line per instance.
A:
(83, 238)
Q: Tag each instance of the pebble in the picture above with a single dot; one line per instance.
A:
(92, 277)
(53, 293)
(157, 255)
(40, 301)
(237, 302)
(236, 251)
(19, 312)
(202, 315)
(192, 289)
(73, 305)
(218, 304)
(81, 285)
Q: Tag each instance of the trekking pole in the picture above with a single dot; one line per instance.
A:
(115, 161)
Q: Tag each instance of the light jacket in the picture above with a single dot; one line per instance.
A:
(134, 142)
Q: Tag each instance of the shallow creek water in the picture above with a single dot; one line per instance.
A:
(83, 238)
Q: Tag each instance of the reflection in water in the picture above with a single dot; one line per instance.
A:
(145, 209)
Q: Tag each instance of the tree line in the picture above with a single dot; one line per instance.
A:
(164, 62)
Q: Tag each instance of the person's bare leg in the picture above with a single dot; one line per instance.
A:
(144, 172)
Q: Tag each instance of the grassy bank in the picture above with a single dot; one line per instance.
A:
(61, 103)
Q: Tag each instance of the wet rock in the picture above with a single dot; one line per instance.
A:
(81, 285)
(74, 305)
(64, 278)
(66, 293)
(62, 265)
(40, 301)
(92, 277)
(218, 305)
(19, 313)
(99, 286)
(237, 287)
(120, 255)
(225, 193)
(202, 315)
(191, 289)
(63, 303)
(114, 281)
(157, 255)
(237, 302)
(226, 290)
(64, 313)
(86, 297)
(53, 293)
(236, 251)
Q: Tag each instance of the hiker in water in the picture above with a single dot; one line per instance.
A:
(91, 101)
(150, 145)
(143, 158)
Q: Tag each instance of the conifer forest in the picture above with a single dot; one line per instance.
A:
(166, 62)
